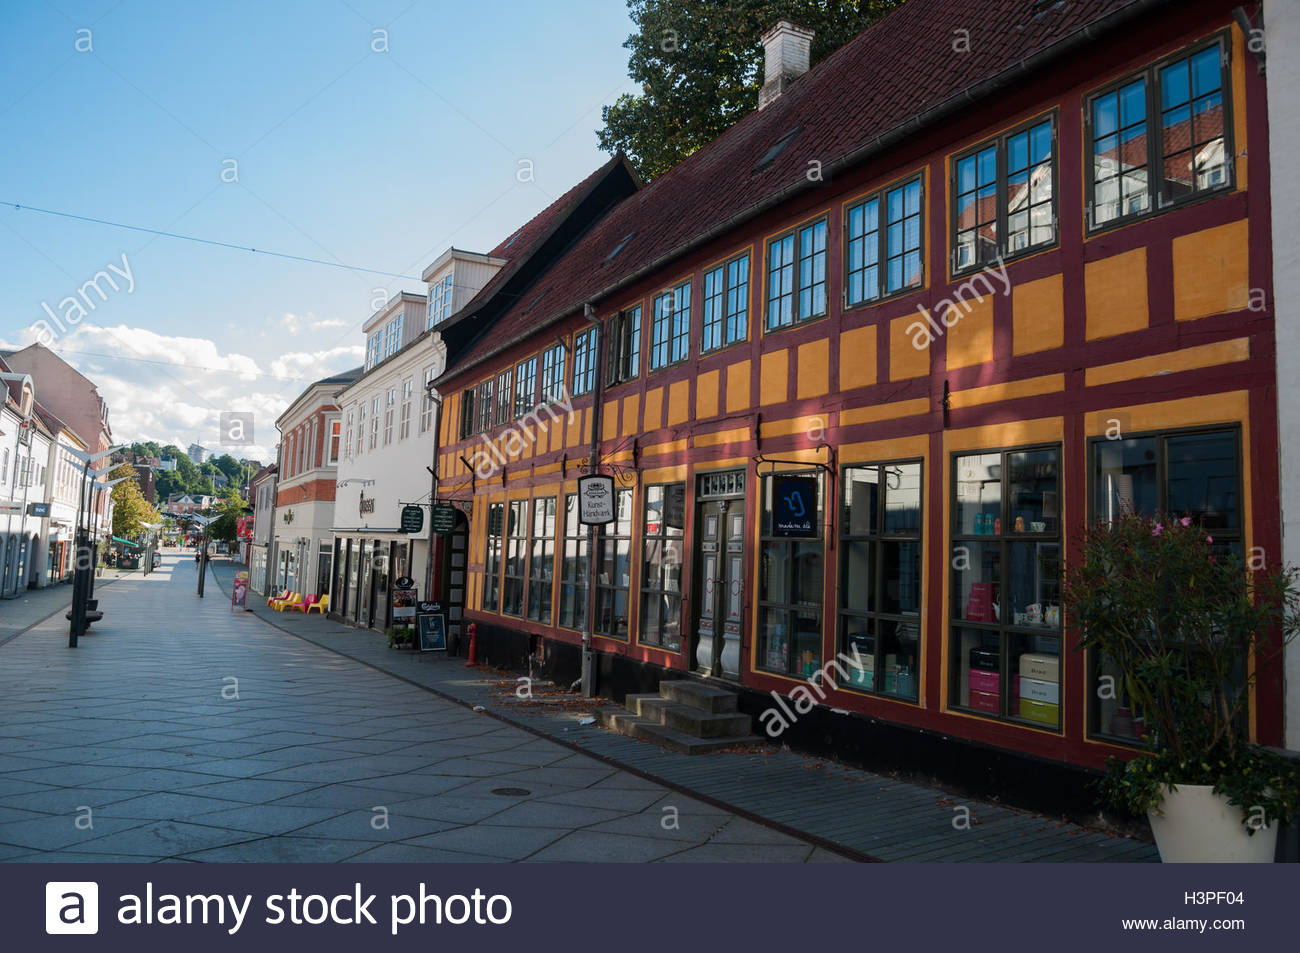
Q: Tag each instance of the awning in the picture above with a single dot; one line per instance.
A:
(118, 539)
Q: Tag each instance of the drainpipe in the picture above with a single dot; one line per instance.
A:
(597, 394)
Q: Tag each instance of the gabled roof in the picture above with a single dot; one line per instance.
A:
(529, 249)
(895, 78)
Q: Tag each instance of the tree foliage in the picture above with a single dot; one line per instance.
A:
(228, 509)
(700, 68)
(130, 509)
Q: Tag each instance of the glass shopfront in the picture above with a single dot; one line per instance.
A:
(363, 571)
(1006, 585)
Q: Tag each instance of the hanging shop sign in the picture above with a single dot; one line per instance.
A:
(404, 582)
(412, 519)
(365, 506)
(442, 519)
(795, 507)
(596, 500)
(38, 509)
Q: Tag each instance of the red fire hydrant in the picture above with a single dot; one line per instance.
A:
(472, 631)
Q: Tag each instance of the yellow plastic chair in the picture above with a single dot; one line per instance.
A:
(321, 605)
(293, 600)
(277, 596)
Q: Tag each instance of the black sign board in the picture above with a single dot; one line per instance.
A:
(412, 519)
(795, 506)
(432, 630)
(424, 608)
(38, 509)
(404, 582)
(443, 519)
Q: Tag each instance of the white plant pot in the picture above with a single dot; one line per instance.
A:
(1193, 825)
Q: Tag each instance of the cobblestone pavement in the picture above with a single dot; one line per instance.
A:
(179, 730)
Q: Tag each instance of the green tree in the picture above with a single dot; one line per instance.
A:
(228, 509)
(700, 69)
(130, 509)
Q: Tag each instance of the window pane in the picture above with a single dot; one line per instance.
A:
(858, 584)
(903, 498)
(979, 494)
(1124, 478)
(1035, 579)
(900, 575)
(1202, 479)
(861, 500)
(977, 573)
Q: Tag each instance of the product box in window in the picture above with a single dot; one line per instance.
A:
(982, 681)
(986, 701)
(985, 659)
(1044, 667)
(1036, 689)
(1041, 712)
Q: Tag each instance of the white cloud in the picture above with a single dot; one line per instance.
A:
(172, 389)
(297, 323)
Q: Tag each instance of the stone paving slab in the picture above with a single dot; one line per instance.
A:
(180, 731)
(872, 815)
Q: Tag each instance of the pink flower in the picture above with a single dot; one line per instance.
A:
(1209, 539)
(1159, 527)
(1186, 521)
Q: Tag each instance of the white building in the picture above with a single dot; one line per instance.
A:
(388, 446)
(301, 542)
(24, 452)
(62, 486)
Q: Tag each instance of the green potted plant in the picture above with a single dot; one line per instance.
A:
(400, 637)
(1186, 626)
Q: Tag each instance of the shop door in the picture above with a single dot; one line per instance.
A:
(362, 617)
(720, 556)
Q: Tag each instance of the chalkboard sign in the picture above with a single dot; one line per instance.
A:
(432, 627)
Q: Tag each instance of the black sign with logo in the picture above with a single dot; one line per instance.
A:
(405, 582)
(412, 519)
(432, 630)
(795, 506)
(38, 509)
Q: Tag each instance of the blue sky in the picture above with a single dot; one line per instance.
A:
(343, 152)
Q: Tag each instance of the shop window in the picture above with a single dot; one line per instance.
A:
(574, 577)
(503, 397)
(726, 305)
(661, 565)
(553, 360)
(525, 386)
(1161, 137)
(1006, 585)
(1194, 474)
(1003, 196)
(467, 418)
(883, 244)
(796, 276)
(516, 546)
(492, 566)
(880, 577)
(623, 359)
(791, 574)
(584, 362)
(541, 562)
(614, 570)
(486, 404)
(670, 334)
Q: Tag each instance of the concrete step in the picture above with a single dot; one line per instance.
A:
(697, 695)
(646, 705)
(701, 724)
(626, 723)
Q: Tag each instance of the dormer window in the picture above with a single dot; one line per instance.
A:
(440, 300)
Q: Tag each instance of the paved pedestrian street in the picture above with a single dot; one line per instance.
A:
(182, 731)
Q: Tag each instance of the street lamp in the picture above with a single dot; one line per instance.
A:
(83, 576)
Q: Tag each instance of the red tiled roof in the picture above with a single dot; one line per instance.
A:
(873, 86)
(516, 247)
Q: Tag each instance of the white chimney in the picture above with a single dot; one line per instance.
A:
(786, 52)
